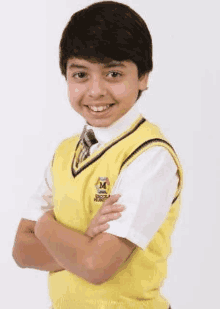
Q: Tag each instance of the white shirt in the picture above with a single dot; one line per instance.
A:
(147, 187)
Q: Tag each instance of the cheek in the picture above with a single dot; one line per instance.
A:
(121, 89)
(73, 92)
(125, 89)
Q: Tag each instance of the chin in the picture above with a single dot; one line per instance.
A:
(99, 124)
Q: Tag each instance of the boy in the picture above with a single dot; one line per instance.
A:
(106, 58)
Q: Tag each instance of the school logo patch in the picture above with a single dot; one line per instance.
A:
(103, 189)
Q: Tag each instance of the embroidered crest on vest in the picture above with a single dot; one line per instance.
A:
(103, 188)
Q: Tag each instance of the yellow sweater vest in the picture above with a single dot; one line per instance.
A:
(78, 193)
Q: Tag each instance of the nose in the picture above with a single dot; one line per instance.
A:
(96, 87)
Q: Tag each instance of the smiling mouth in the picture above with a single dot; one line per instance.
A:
(99, 109)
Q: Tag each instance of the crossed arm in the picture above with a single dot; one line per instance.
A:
(57, 247)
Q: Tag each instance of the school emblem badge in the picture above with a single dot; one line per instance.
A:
(103, 189)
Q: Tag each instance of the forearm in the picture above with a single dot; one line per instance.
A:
(31, 253)
(68, 247)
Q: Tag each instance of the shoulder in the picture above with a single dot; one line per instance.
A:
(69, 141)
(66, 142)
(65, 145)
(151, 128)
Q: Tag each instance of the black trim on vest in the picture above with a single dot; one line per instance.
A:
(144, 145)
(75, 173)
(175, 199)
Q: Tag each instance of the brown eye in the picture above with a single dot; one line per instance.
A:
(114, 74)
(79, 75)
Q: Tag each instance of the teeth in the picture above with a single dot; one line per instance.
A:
(98, 108)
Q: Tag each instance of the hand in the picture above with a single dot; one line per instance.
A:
(42, 222)
(109, 211)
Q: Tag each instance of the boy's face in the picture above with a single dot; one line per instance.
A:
(103, 93)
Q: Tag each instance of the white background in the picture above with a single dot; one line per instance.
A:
(183, 99)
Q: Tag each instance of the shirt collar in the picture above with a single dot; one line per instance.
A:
(105, 134)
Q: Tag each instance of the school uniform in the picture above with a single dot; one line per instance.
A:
(132, 158)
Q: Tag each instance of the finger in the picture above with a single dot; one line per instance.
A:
(104, 227)
(95, 231)
(100, 229)
(109, 217)
(114, 208)
(112, 199)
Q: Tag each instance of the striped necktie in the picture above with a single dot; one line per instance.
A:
(87, 140)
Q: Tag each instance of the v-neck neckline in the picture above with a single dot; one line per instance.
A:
(100, 152)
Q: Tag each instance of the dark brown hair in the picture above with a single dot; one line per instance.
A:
(106, 31)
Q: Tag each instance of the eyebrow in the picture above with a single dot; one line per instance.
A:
(111, 64)
(74, 65)
(114, 64)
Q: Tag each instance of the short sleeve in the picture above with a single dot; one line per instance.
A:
(41, 200)
(147, 187)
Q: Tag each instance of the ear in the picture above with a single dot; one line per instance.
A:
(143, 81)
